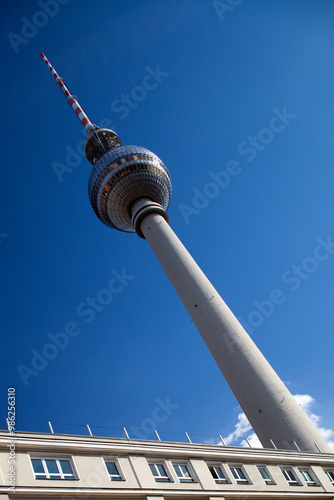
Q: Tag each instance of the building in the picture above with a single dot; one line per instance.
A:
(71, 467)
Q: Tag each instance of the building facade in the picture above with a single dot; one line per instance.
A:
(42, 466)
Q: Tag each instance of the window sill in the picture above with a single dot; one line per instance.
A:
(56, 479)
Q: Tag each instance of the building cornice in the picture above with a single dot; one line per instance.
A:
(62, 443)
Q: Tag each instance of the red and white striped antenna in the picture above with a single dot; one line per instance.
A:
(71, 99)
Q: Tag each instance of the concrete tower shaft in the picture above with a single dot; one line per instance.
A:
(269, 406)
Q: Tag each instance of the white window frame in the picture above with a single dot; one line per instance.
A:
(183, 478)
(120, 476)
(158, 478)
(330, 474)
(218, 479)
(52, 475)
(239, 480)
(291, 482)
(269, 479)
(309, 482)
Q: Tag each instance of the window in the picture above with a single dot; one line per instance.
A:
(114, 473)
(239, 475)
(159, 472)
(52, 468)
(307, 476)
(265, 474)
(217, 474)
(183, 473)
(330, 474)
(290, 476)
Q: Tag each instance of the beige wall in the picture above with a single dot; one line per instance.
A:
(133, 457)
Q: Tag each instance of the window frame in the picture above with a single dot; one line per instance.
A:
(120, 476)
(158, 478)
(240, 480)
(47, 475)
(296, 481)
(269, 479)
(313, 481)
(330, 474)
(183, 478)
(219, 480)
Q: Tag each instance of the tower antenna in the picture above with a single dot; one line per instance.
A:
(71, 99)
(100, 140)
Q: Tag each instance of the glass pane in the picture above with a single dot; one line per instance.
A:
(213, 472)
(234, 472)
(241, 474)
(37, 465)
(307, 476)
(264, 473)
(51, 466)
(219, 473)
(289, 475)
(112, 469)
(161, 470)
(177, 470)
(185, 470)
(152, 467)
(66, 466)
(330, 474)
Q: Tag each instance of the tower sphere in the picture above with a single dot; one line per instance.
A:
(121, 177)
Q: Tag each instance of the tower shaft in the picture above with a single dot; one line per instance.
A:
(269, 406)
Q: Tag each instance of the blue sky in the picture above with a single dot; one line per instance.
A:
(239, 106)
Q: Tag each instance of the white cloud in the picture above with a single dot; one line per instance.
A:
(253, 441)
(215, 441)
(242, 427)
(306, 401)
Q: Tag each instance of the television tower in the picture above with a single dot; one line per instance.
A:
(130, 189)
